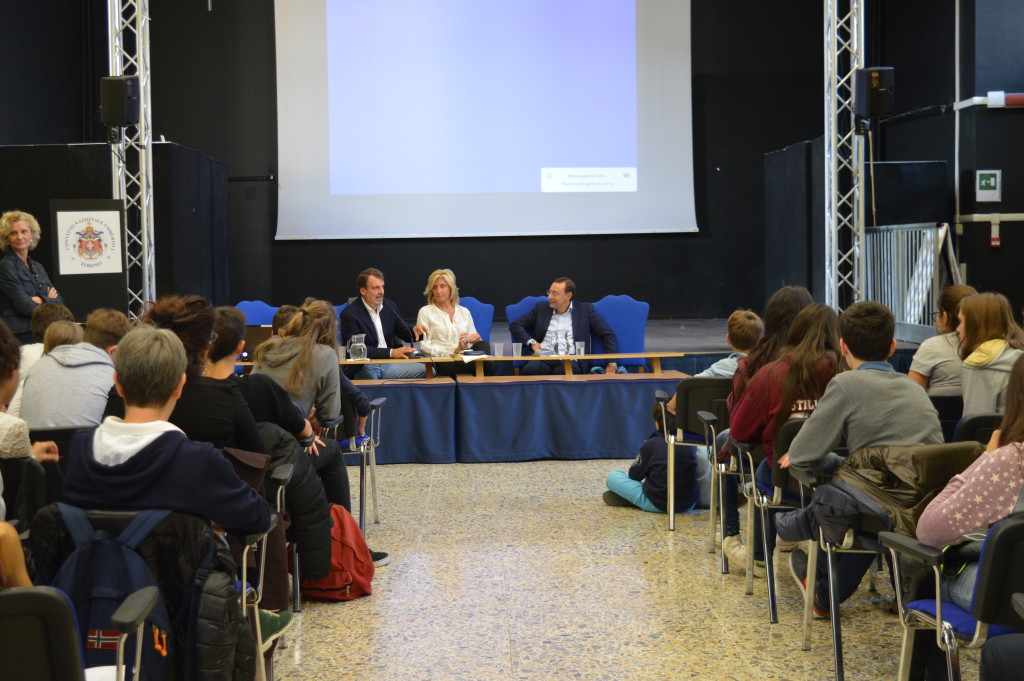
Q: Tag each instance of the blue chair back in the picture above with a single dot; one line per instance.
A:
(482, 313)
(337, 314)
(628, 319)
(517, 310)
(257, 312)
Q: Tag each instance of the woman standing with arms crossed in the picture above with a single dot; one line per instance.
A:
(24, 284)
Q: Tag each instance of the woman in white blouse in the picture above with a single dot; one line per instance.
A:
(448, 326)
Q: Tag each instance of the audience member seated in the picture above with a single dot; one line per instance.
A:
(14, 440)
(282, 317)
(304, 362)
(376, 318)
(937, 365)
(144, 461)
(42, 317)
(990, 342)
(744, 330)
(645, 485)
(12, 559)
(209, 410)
(62, 333)
(989, 490)
(869, 406)
(787, 388)
(779, 314)
(447, 327)
(559, 324)
(70, 385)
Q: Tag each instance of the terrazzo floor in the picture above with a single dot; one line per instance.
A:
(518, 571)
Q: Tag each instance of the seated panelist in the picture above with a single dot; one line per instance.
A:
(447, 327)
(377, 318)
(561, 319)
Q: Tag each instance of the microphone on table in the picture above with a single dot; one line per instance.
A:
(415, 354)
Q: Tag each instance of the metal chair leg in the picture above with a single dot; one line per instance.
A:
(362, 492)
(671, 482)
(750, 544)
(373, 484)
(296, 592)
(952, 652)
(713, 507)
(769, 567)
(810, 584)
(833, 602)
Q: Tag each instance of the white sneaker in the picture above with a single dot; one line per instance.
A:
(736, 552)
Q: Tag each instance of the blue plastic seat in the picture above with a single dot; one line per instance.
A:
(628, 319)
(257, 313)
(482, 313)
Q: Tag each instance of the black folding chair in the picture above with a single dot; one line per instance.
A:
(950, 408)
(693, 397)
(1000, 577)
(977, 427)
(40, 640)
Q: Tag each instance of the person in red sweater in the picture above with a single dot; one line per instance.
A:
(788, 387)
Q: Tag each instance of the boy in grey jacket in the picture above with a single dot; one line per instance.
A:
(869, 406)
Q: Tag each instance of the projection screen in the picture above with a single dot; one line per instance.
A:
(428, 118)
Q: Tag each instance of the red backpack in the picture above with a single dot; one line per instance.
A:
(351, 564)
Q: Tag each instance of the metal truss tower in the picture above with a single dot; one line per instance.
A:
(844, 155)
(132, 162)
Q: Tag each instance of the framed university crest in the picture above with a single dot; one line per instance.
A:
(89, 238)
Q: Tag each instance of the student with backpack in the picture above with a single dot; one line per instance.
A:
(144, 462)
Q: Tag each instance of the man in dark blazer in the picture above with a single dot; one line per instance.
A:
(378, 319)
(540, 330)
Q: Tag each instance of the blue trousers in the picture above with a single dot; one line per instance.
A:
(633, 492)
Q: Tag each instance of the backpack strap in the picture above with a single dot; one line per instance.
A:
(77, 523)
(141, 525)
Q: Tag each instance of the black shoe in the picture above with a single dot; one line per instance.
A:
(380, 559)
(613, 499)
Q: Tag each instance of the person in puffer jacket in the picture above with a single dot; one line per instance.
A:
(990, 342)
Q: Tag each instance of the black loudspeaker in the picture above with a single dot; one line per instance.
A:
(873, 91)
(119, 100)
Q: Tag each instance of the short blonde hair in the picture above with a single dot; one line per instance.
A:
(449, 278)
(7, 224)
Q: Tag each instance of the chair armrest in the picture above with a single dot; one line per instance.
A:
(282, 475)
(660, 396)
(809, 477)
(1018, 603)
(337, 420)
(706, 417)
(253, 539)
(134, 609)
(378, 403)
(909, 546)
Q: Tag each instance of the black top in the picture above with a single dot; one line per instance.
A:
(209, 410)
(270, 403)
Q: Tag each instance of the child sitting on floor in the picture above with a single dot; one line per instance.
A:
(645, 485)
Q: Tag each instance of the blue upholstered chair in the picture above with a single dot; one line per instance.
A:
(482, 313)
(628, 319)
(517, 310)
(257, 313)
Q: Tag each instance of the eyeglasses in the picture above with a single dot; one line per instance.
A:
(213, 336)
(549, 292)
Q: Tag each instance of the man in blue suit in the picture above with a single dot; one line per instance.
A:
(561, 320)
(377, 318)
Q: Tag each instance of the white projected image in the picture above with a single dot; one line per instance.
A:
(429, 118)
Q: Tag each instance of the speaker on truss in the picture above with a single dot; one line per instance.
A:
(873, 91)
(119, 100)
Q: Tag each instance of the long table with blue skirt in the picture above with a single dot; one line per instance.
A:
(418, 421)
(526, 418)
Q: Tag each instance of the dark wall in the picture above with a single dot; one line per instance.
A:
(218, 96)
(757, 87)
